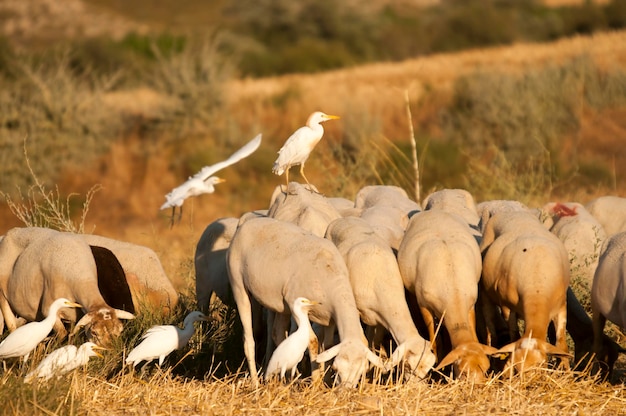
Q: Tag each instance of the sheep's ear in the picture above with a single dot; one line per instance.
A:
(330, 353)
(452, 356)
(553, 350)
(124, 314)
(84, 321)
(375, 359)
(488, 350)
(398, 355)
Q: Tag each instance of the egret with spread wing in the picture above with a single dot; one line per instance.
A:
(159, 341)
(291, 351)
(203, 182)
(299, 145)
(22, 341)
(63, 360)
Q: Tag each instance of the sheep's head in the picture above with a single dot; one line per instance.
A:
(352, 360)
(469, 361)
(416, 356)
(103, 325)
(528, 353)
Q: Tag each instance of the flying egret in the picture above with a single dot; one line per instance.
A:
(159, 341)
(22, 341)
(63, 360)
(291, 351)
(203, 182)
(299, 145)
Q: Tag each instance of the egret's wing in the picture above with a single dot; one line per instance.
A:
(245, 151)
(156, 330)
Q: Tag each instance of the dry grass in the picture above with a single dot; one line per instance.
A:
(545, 392)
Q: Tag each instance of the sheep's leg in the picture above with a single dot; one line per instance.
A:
(429, 319)
(242, 298)
(7, 313)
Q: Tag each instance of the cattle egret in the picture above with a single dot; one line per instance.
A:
(63, 360)
(291, 351)
(203, 182)
(22, 341)
(299, 145)
(159, 341)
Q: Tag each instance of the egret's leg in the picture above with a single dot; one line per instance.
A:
(287, 180)
(307, 181)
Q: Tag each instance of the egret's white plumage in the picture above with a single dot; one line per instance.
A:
(203, 182)
(291, 351)
(22, 341)
(63, 360)
(159, 341)
(299, 145)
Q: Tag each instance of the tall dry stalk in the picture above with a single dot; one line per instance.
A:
(413, 146)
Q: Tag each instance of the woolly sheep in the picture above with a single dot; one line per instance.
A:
(610, 211)
(277, 262)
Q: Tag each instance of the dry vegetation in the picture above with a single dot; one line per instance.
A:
(146, 160)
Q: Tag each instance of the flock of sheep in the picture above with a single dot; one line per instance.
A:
(382, 265)
(379, 268)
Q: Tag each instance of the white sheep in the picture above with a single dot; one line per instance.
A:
(582, 235)
(379, 291)
(148, 282)
(210, 263)
(440, 263)
(387, 209)
(39, 265)
(610, 211)
(456, 201)
(526, 273)
(309, 210)
(276, 262)
(608, 292)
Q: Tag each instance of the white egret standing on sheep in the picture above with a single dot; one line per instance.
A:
(203, 182)
(159, 341)
(22, 341)
(64, 360)
(299, 145)
(291, 351)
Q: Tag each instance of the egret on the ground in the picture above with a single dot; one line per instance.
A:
(159, 341)
(22, 341)
(203, 182)
(299, 145)
(291, 351)
(63, 360)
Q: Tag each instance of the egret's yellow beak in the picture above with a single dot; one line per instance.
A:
(72, 305)
(220, 180)
(97, 347)
(331, 117)
(312, 303)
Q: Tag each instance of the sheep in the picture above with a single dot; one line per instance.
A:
(212, 282)
(610, 211)
(210, 263)
(148, 282)
(387, 209)
(526, 273)
(379, 291)
(487, 209)
(276, 262)
(581, 234)
(40, 265)
(456, 201)
(580, 328)
(298, 205)
(608, 294)
(439, 261)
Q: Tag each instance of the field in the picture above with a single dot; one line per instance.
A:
(158, 147)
